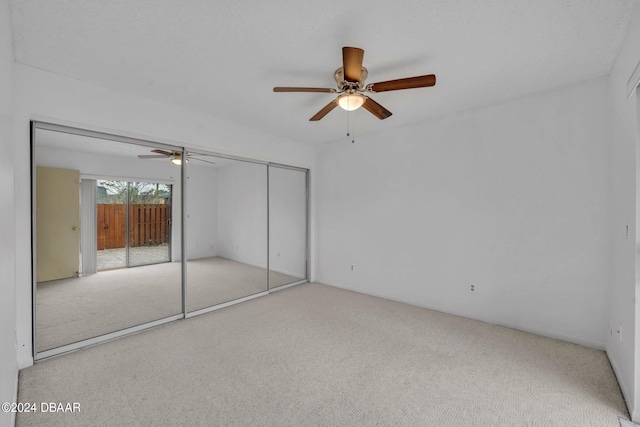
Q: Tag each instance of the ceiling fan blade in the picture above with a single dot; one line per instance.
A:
(376, 109)
(164, 153)
(152, 156)
(304, 89)
(200, 160)
(327, 108)
(352, 63)
(408, 83)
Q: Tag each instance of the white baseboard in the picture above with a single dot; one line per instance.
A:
(635, 416)
(25, 360)
(288, 273)
(15, 399)
(544, 333)
(264, 267)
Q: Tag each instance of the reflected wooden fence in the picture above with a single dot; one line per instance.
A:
(149, 225)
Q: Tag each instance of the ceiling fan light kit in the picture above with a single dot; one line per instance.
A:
(350, 80)
(351, 101)
(178, 161)
(174, 156)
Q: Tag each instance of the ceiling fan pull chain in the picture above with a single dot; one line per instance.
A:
(349, 126)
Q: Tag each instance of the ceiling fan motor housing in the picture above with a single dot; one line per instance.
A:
(344, 85)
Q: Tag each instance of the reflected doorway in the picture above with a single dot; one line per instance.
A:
(58, 222)
(133, 223)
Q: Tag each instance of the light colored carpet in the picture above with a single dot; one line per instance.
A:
(314, 355)
(71, 310)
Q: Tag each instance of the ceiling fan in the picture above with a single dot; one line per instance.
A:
(175, 156)
(350, 80)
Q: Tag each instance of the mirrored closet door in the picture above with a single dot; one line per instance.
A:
(287, 225)
(107, 236)
(226, 223)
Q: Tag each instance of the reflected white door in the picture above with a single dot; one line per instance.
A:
(57, 223)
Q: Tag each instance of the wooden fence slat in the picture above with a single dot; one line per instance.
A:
(155, 226)
(135, 224)
(100, 226)
(148, 225)
(119, 235)
(163, 222)
(156, 229)
(132, 226)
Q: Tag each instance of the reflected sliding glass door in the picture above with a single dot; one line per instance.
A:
(134, 223)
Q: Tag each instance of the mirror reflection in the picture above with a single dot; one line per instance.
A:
(226, 230)
(108, 233)
(134, 223)
(107, 240)
(287, 226)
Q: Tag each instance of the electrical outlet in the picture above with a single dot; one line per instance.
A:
(352, 267)
(278, 253)
(472, 288)
(620, 332)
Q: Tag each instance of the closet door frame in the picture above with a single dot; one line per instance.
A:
(307, 228)
(63, 127)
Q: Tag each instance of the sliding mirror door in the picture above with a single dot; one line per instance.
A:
(226, 223)
(287, 225)
(107, 239)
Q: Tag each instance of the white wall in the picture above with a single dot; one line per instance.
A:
(512, 198)
(287, 221)
(8, 363)
(44, 95)
(623, 288)
(242, 213)
(242, 216)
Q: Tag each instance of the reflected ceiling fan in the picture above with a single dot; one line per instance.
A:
(175, 156)
(350, 79)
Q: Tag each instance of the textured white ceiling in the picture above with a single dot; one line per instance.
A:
(224, 57)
